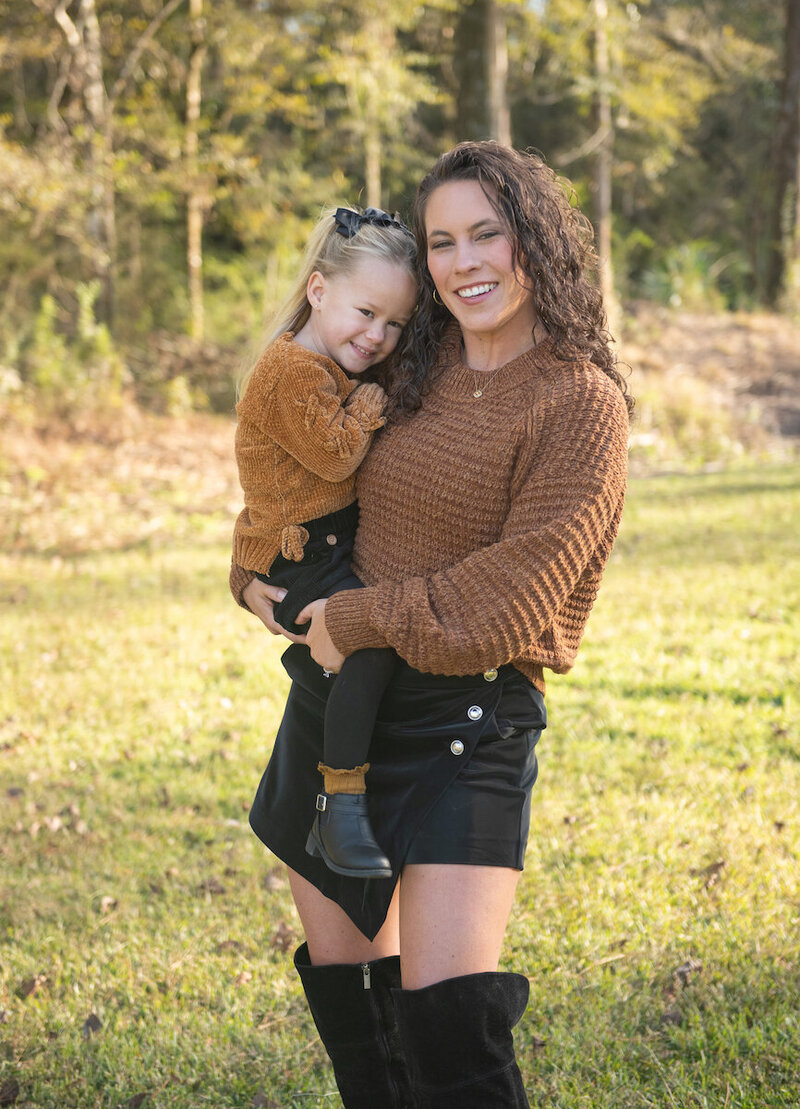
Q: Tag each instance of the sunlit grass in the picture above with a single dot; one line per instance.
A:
(137, 706)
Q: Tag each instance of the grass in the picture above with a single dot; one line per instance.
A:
(146, 938)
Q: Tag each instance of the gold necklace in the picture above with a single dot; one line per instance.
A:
(480, 388)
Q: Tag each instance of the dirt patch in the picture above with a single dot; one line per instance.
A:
(751, 362)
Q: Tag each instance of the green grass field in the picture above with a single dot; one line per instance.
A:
(146, 937)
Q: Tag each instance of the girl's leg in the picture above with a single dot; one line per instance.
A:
(456, 1011)
(353, 705)
(349, 983)
(342, 833)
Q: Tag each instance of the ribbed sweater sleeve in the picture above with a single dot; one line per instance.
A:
(528, 595)
(303, 410)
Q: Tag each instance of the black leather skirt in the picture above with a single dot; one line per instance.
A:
(453, 763)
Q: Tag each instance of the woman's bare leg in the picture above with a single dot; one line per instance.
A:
(453, 920)
(330, 933)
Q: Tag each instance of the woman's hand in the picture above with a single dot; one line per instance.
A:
(261, 598)
(322, 648)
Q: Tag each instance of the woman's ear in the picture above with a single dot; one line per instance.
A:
(315, 289)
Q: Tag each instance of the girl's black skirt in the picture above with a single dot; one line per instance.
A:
(453, 763)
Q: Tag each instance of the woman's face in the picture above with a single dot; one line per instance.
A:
(470, 261)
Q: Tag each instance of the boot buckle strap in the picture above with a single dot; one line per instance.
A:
(322, 802)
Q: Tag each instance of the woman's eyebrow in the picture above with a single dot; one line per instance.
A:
(473, 227)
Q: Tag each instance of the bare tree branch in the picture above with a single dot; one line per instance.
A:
(589, 146)
(144, 40)
(698, 51)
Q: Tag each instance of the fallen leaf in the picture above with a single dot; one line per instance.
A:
(90, 1025)
(672, 1016)
(283, 937)
(134, 1102)
(243, 978)
(261, 1101)
(211, 885)
(107, 904)
(31, 986)
(273, 881)
(685, 971)
(9, 1091)
(710, 873)
(228, 945)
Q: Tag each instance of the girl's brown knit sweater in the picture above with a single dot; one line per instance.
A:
(304, 427)
(486, 523)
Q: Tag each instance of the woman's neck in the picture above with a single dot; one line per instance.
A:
(485, 353)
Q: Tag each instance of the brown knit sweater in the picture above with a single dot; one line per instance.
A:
(486, 523)
(304, 428)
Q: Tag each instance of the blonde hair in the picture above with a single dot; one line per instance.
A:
(329, 251)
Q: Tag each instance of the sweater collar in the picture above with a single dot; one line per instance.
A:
(457, 379)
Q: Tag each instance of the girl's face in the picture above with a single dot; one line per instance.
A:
(470, 261)
(357, 318)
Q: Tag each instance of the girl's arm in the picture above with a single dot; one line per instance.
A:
(301, 409)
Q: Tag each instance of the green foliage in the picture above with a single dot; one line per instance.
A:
(306, 104)
(684, 277)
(146, 937)
(81, 371)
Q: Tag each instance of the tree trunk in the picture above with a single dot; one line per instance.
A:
(195, 205)
(497, 50)
(102, 214)
(784, 255)
(481, 68)
(604, 158)
(373, 148)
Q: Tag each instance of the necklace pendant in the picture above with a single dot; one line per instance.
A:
(478, 393)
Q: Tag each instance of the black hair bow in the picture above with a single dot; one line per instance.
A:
(349, 223)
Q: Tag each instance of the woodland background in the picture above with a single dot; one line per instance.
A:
(162, 162)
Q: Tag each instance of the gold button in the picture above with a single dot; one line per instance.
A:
(331, 540)
(489, 675)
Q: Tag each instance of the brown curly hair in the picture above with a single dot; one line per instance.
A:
(551, 244)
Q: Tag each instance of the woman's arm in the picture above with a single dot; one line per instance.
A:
(531, 591)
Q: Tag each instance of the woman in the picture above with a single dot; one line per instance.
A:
(489, 507)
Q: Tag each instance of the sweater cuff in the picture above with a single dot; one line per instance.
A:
(347, 621)
(367, 403)
(239, 580)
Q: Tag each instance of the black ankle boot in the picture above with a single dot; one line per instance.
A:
(458, 1042)
(354, 1013)
(342, 835)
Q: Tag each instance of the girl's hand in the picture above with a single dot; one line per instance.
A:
(322, 648)
(261, 598)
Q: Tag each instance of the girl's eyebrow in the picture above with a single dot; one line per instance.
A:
(473, 227)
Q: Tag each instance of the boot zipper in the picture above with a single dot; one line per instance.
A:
(366, 971)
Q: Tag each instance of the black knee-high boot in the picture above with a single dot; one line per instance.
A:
(458, 1042)
(353, 1009)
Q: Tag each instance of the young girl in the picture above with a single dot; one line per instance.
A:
(305, 424)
